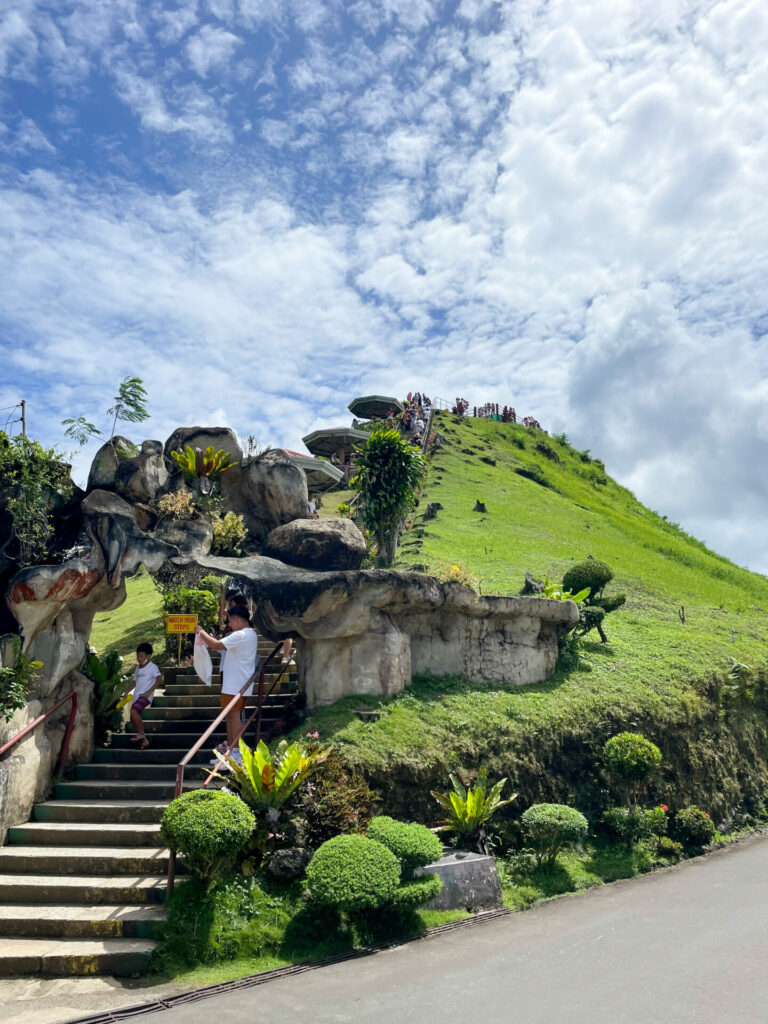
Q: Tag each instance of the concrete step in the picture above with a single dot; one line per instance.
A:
(65, 833)
(40, 920)
(161, 739)
(94, 810)
(195, 728)
(83, 860)
(108, 789)
(84, 889)
(67, 957)
(206, 699)
(150, 755)
(127, 772)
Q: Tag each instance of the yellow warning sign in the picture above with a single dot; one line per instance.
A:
(180, 623)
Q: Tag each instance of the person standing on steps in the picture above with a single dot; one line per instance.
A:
(146, 677)
(242, 650)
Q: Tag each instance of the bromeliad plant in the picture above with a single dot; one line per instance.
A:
(110, 684)
(266, 781)
(196, 463)
(470, 809)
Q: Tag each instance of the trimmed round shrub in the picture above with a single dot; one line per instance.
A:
(630, 757)
(632, 825)
(548, 828)
(693, 827)
(353, 873)
(208, 829)
(415, 892)
(589, 573)
(413, 845)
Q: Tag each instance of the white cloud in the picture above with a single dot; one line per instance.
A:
(210, 48)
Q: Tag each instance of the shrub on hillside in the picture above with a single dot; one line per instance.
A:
(631, 825)
(208, 829)
(631, 758)
(533, 473)
(548, 453)
(693, 827)
(337, 801)
(353, 874)
(549, 828)
(413, 845)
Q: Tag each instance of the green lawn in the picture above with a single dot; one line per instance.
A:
(653, 675)
(138, 619)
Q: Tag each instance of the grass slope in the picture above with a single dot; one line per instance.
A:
(138, 619)
(653, 675)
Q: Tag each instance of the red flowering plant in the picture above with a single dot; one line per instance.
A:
(693, 827)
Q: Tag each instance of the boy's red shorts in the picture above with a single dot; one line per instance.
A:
(140, 704)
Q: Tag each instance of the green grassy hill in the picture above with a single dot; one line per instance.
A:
(547, 507)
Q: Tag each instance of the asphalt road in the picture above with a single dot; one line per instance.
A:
(688, 945)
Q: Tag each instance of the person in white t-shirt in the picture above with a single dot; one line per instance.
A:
(146, 677)
(242, 647)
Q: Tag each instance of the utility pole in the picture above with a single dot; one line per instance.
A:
(24, 417)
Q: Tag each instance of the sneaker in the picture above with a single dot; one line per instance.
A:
(236, 756)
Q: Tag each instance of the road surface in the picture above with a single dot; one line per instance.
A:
(688, 945)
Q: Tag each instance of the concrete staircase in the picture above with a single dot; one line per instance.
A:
(82, 884)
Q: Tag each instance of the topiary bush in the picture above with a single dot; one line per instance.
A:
(413, 845)
(693, 827)
(353, 874)
(415, 892)
(596, 576)
(208, 829)
(549, 828)
(632, 760)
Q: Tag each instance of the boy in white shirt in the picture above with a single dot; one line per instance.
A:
(146, 677)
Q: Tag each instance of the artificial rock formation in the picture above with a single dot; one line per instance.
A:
(368, 632)
(357, 632)
(323, 544)
(267, 491)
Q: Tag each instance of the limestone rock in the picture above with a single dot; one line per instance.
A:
(267, 491)
(143, 476)
(317, 544)
(106, 461)
(201, 437)
(288, 864)
(432, 509)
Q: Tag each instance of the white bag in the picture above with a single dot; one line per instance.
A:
(202, 661)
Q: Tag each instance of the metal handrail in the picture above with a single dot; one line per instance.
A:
(261, 697)
(180, 767)
(6, 747)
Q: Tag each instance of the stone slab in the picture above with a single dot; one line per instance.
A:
(470, 882)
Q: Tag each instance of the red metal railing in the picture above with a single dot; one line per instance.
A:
(181, 766)
(6, 747)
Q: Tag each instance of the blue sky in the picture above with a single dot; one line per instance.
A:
(265, 208)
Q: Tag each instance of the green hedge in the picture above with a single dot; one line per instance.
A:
(208, 829)
(413, 845)
(353, 873)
